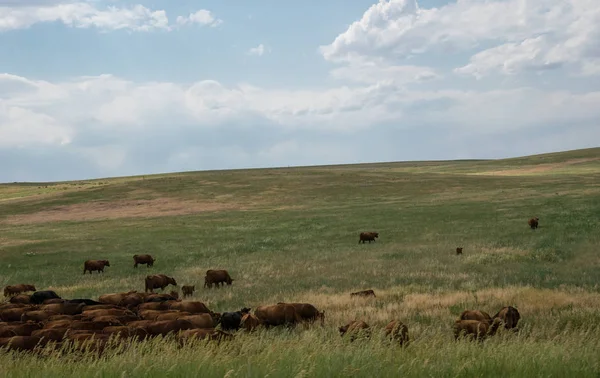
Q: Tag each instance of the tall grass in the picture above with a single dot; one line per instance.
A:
(292, 235)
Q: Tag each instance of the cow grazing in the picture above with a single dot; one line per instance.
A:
(250, 322)
(231, 320)
(217, 277)
(279, 314)
(509, 316)
(11, 290)
(167, 326)
(143, 259)
(158, 281)
(397, 331)
(191, 307)
(481, 316)
(459, 250)
(22, 342)
(187, 290)
(204, 333)
(533, 223)
(203, 320)
(19, 329)
(475, 329)
(367, 236)
(364, 293)
(91, 265)
(21, 298)
(40, 296)
(355, 329)
(64, 308)
(308, 312)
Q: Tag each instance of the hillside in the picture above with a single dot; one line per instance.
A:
(291, 234)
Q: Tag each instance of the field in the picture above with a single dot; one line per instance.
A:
(291, 234)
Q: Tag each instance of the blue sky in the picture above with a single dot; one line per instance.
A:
(113, 87)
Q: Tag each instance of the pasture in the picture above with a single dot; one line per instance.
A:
(291, 234)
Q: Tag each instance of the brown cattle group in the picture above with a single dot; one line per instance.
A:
(31, 321)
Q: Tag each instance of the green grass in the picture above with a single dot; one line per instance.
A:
(291, 234)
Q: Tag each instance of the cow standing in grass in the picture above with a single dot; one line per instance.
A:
(91, 265)
(367, 236)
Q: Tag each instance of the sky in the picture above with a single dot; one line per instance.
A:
(104, 88)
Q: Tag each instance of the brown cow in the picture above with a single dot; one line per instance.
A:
(19, 329)
(21, 342)
(279, 314)
(114, 298)
(37, 316)
(143, 259)
(533, 223)
(187, 290)
(98, 265)
(396, 330)
(152, 314)
(367, 236)
(219, 276)
(14, 314)
(140, 323)
(202, 320)
(54, 334)
(159, 281)
(206, 333)
(132, 300)
(308, 312)
(153, 306)
(64, 308)
(166, 326)
(17, 289)
(171, 315)
(481, 316)
(475, 329)
(191, 307)
(155, 297)
(21, 298)
(363, 293)
(509, 316)
(355, 329)
(108, 312)
(459, 250)
(126, 331)
(250, 322)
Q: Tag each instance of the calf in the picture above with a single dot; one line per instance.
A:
(459, 250)
(367, 236)
(17, 289)
(364, 293)
(533, 223)
(187, 290)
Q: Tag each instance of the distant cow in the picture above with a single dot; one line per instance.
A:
(355, 329)
(509, 316)
(217, 277)
(275, 315)
(308, 312)
(363, 293)
(40, 296)
(187, 290)
(189, 306)
(17, 289)
(98, 265)
(482, 316)
(367, 236)
(143, 259)
(397, 331)
(158, 281)
(533, 223)
(475, 329)
(21, 298)
(232, 320)
(459, 250)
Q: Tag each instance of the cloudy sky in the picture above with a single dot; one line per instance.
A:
(117, 87)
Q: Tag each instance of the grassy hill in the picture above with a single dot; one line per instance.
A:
(291, 234)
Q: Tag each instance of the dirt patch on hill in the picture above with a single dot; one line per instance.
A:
(119, 209)
(537, 169)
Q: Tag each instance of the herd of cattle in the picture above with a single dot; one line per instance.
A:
(30, 322)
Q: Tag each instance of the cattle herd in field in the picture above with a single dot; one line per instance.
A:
(29, 322)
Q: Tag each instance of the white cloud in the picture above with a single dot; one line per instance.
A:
(378, 70)
(529, 35)
(87, 15)
(189, 126)
(258, 50)
(202, 17)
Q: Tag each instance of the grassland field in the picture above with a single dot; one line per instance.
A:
(291, 234)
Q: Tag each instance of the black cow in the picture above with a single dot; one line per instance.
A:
(40, 296)
(231, 320)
